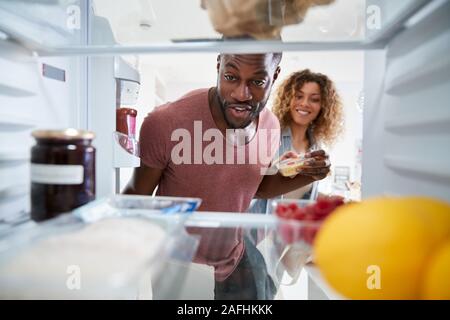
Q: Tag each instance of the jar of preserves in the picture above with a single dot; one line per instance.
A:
(62, 172)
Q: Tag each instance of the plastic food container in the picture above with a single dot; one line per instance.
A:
(295, 231)
(131, 254)
(135, 205)
(294, 239)
(289, 167)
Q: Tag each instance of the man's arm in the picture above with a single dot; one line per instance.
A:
(317, 168)
(276, 185)
(143, 181)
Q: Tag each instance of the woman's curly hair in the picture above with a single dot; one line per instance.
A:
(329, 123)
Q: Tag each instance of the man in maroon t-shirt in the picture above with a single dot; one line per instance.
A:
(187, 150)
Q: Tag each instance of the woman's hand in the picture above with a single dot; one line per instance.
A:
(288, 155)
(316, 166)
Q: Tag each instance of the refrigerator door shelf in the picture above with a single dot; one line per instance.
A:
(125, 151)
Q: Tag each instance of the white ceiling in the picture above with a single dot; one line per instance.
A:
(342, 66)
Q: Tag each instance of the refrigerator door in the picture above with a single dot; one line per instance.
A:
(406, 114)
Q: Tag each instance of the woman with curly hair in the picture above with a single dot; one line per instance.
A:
(311, 116)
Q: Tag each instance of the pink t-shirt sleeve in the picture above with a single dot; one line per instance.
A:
(153, 141)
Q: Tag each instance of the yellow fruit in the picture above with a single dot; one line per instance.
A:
(436, 214)
(437, 275)
(376, 249)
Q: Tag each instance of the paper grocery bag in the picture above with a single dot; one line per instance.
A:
(261, 19)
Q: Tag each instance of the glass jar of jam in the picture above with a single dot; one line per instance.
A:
(62, 172)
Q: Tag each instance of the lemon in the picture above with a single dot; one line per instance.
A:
(436, 215)
(437, 275)
(377, 249)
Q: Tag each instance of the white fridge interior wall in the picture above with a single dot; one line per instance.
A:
(31, 101)
(170, 76)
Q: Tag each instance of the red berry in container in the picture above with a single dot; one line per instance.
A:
(299, 214)
(311, 216)
(281, 210)
(287, 233)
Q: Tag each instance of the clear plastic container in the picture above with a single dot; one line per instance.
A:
(129, 143)
(136, 205)
(131, 254)
(290, 167)
(294, 240)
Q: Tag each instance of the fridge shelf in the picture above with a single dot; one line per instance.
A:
(314, 274)
(14, 157)
(430, 169)
(13, 123)
(7, 90)
(340, 26)
(14, 191)
(124, 256)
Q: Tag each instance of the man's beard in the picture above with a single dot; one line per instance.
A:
(256, 108)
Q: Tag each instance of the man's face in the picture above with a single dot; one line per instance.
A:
(244, 83)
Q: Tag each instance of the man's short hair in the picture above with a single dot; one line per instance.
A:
(276, 56)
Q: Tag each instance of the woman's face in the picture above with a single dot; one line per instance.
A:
(306, 104)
